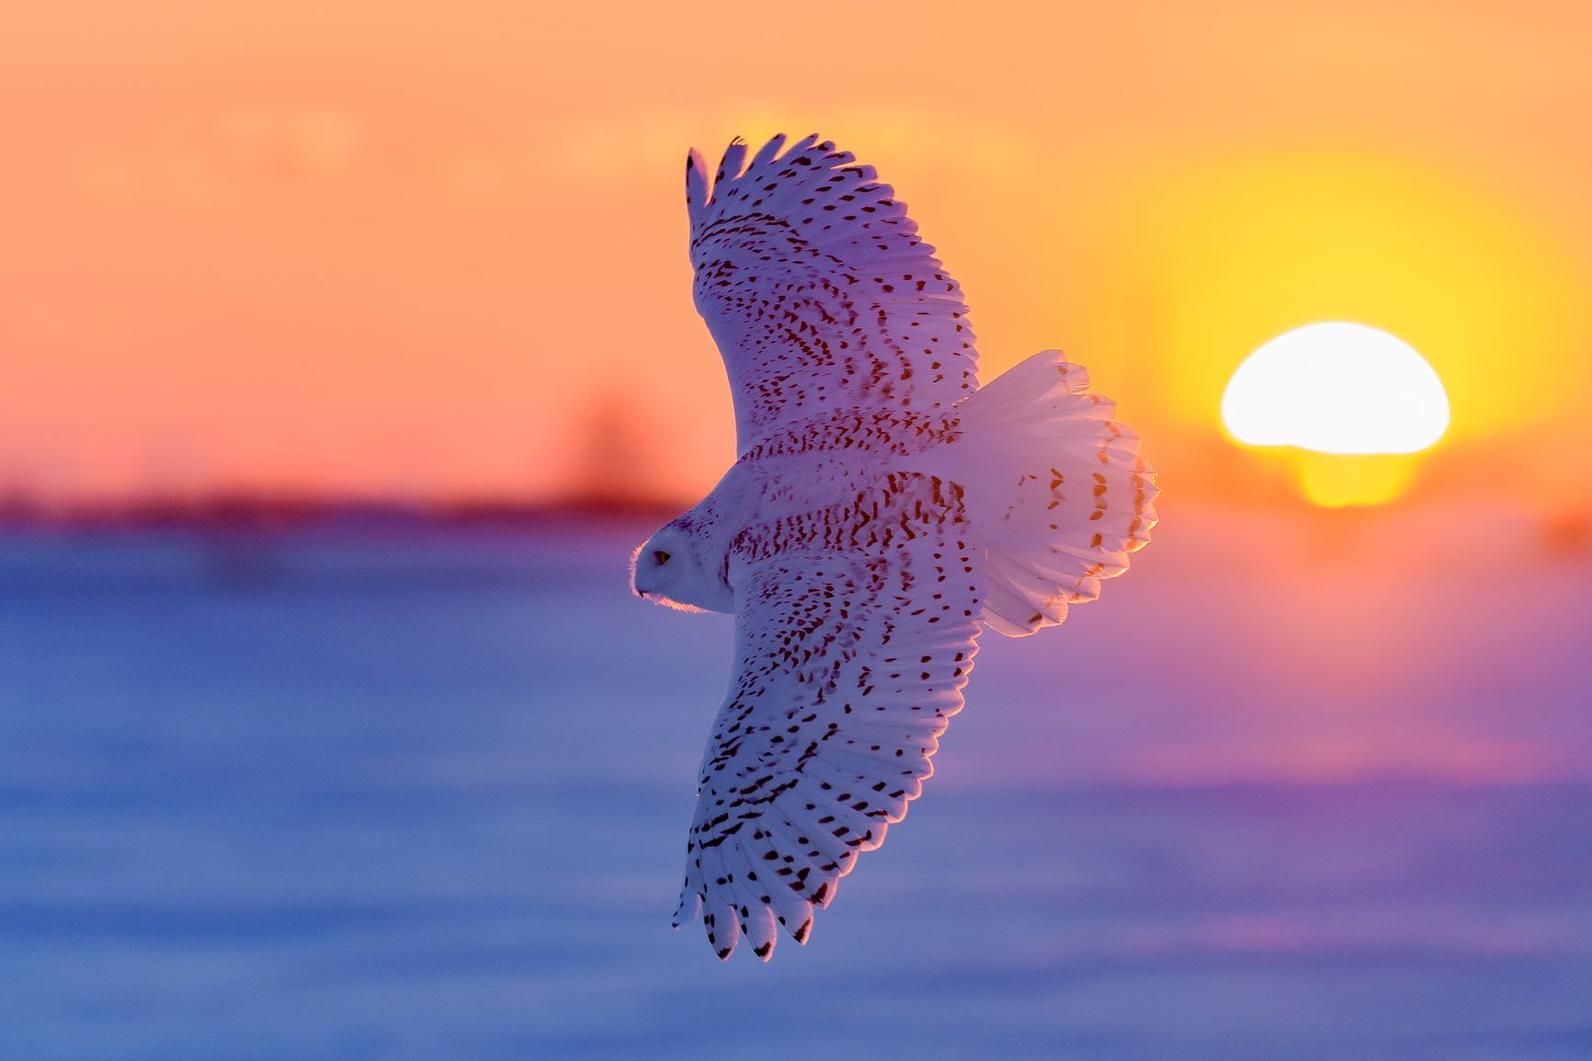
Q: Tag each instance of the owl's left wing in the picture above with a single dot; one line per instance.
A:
(819, 290)
(856, 628)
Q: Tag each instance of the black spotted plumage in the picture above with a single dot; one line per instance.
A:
(882, 509)
(819, 290)
(856, 630)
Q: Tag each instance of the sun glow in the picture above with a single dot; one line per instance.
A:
(1336, 388)
(1354, 402)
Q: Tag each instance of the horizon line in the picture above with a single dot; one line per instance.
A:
(248, 507)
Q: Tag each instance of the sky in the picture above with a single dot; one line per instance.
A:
(439, 250)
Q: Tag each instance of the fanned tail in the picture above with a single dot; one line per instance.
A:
(1057, 491)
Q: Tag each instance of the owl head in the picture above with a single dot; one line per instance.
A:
(678, 567)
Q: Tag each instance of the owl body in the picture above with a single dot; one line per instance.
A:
(800, 491)
(884, 509)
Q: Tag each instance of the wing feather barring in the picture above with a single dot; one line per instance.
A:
(882, 509)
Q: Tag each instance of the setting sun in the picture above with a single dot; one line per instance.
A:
(1336, 388)
(1356, 400)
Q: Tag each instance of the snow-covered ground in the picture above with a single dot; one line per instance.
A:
(1299, 786)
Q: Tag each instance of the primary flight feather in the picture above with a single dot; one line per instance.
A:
(883, 507)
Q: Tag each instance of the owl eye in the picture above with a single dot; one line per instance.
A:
(660, 556)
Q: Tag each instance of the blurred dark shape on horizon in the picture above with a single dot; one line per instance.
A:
(616, 471)
(615, 479)
(1569, 533)
(244, 511)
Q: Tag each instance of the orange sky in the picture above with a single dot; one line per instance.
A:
(424, 247)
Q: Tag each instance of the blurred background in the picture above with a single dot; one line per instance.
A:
(346, 350)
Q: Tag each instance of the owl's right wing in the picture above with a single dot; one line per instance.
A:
(856, 629)
(819, 291)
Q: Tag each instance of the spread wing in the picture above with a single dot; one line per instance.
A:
(856, 628)
(819, 291)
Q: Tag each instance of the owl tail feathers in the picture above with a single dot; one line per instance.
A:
(1055, 488)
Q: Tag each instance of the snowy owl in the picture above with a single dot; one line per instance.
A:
(882, 507)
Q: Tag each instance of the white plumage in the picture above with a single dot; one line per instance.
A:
(883, 506)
